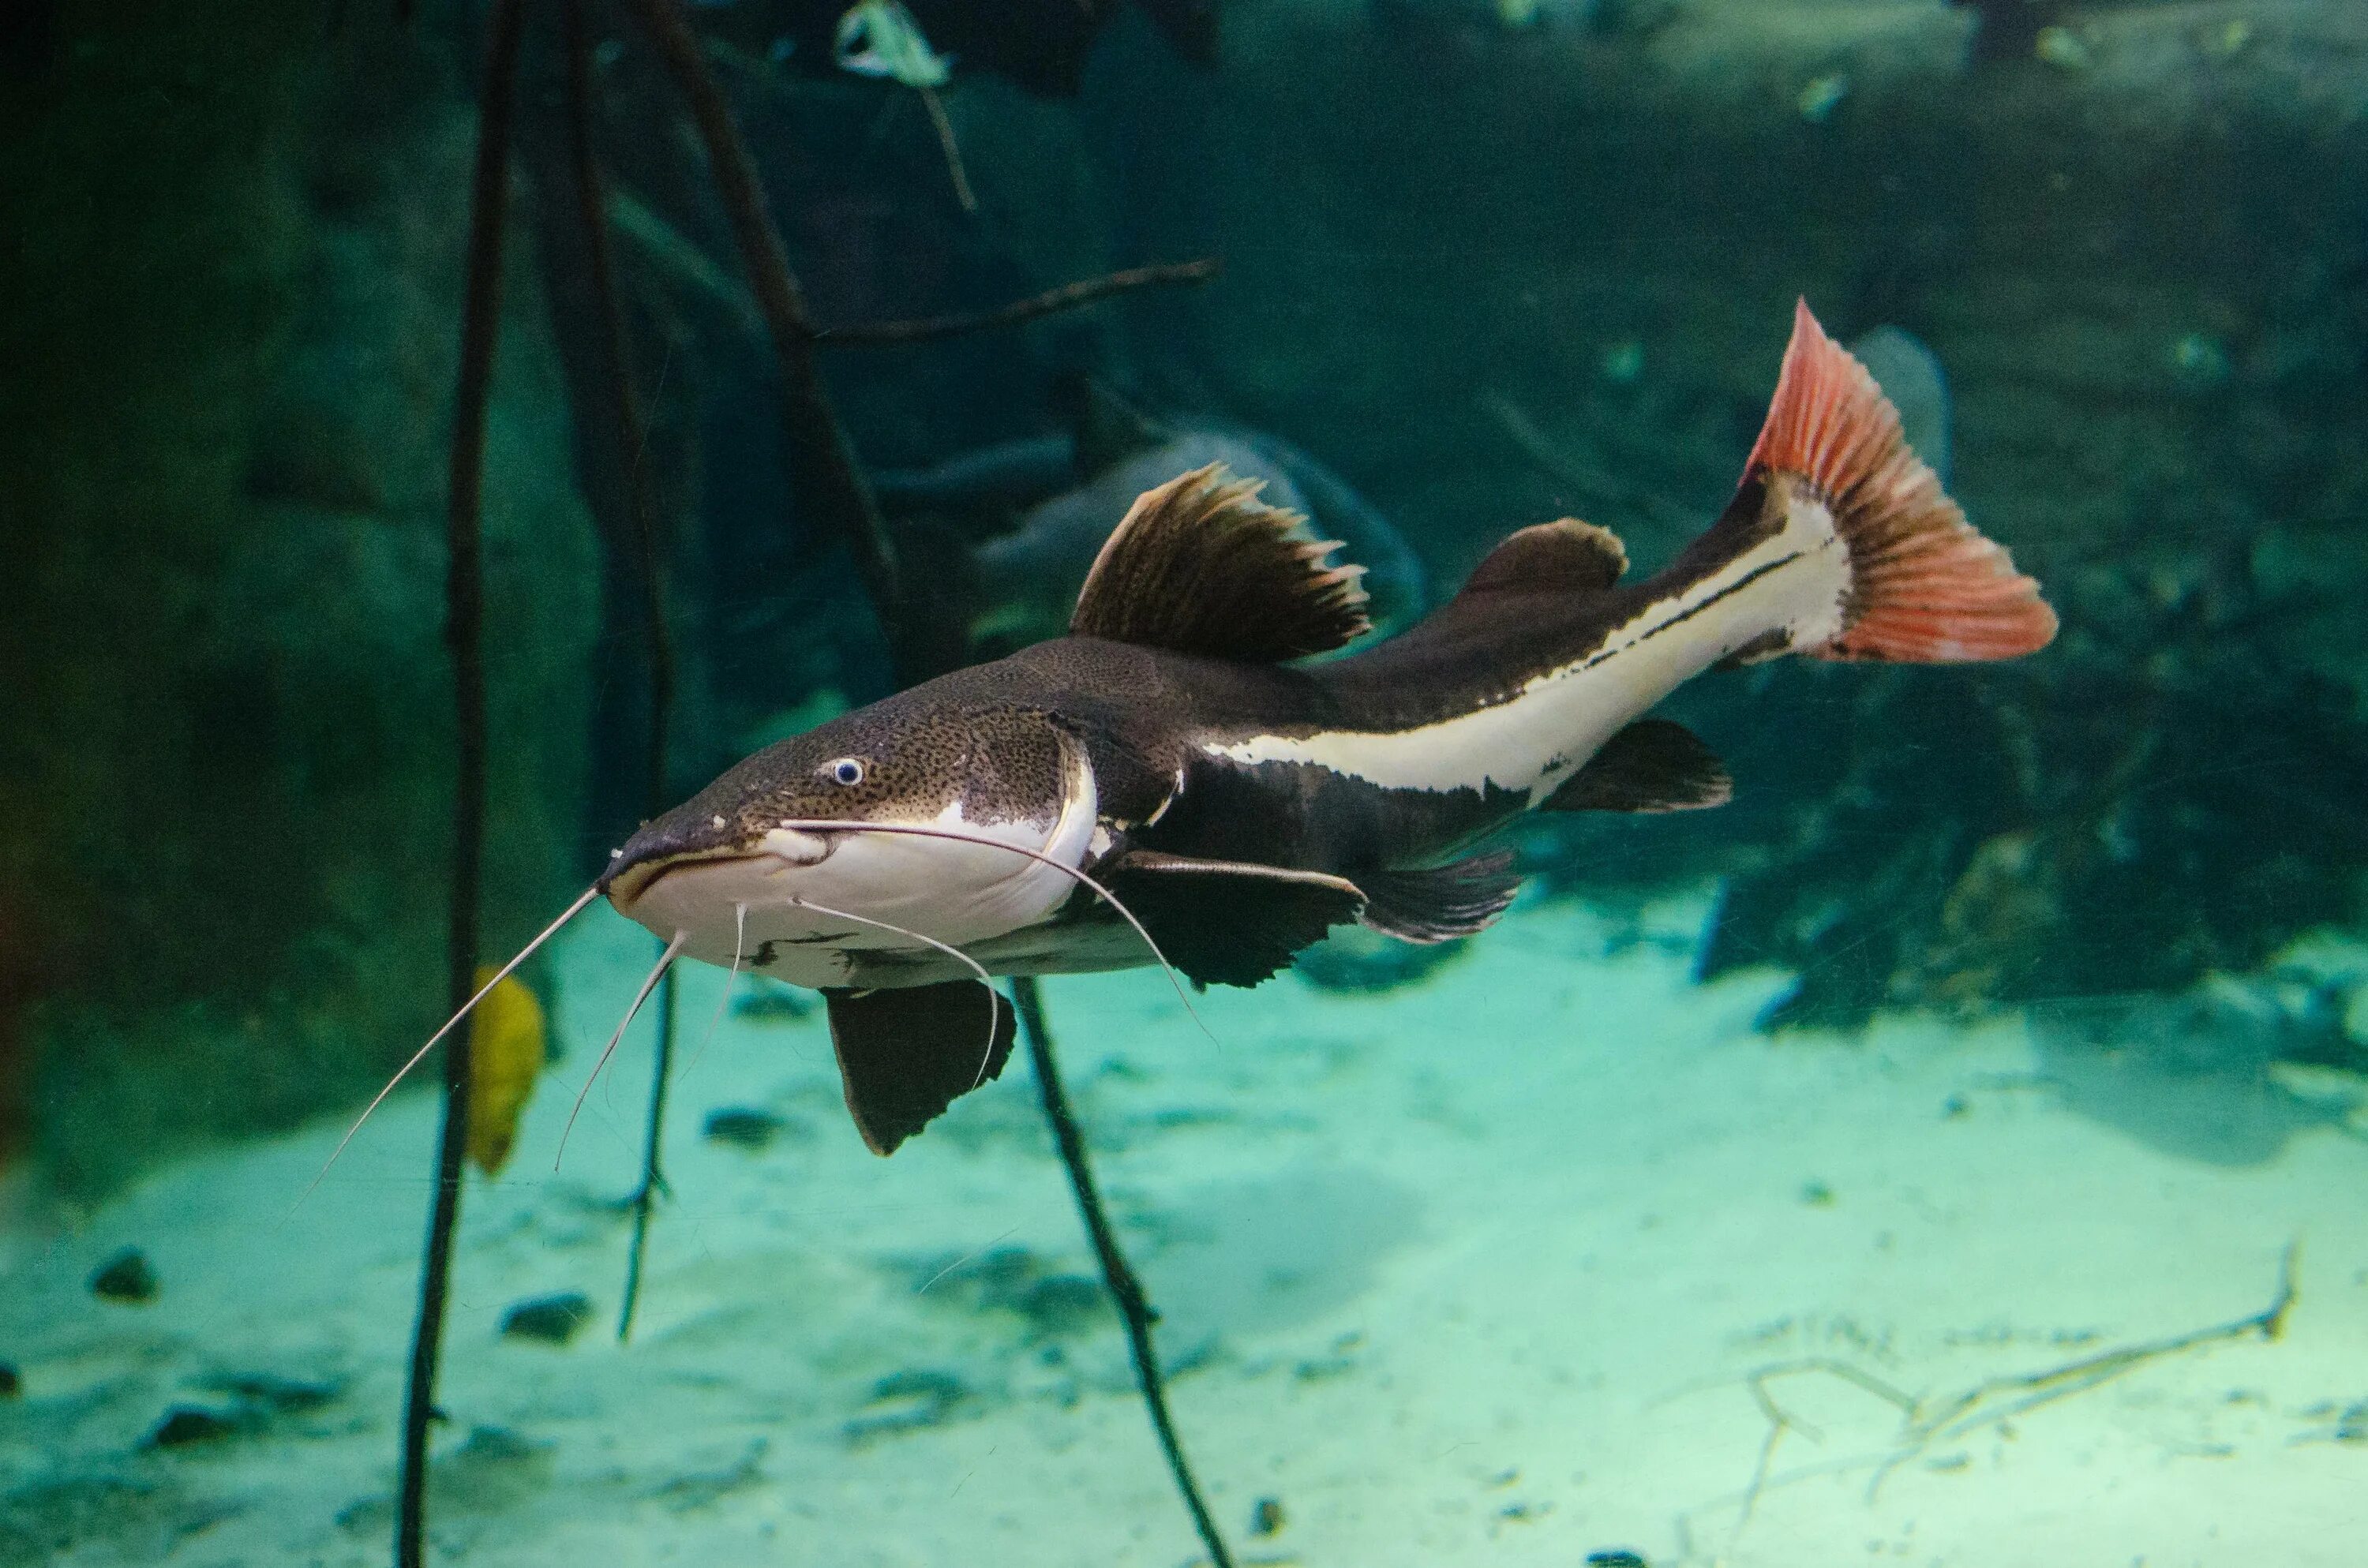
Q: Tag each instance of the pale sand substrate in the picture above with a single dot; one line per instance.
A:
(1465, 1272)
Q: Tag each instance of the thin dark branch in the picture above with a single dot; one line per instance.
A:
(632, 444)
(822, 459)
(464, 632)
(1134, 1307)
(646, 1196)
(1067, 297)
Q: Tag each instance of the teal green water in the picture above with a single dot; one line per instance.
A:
(1946, 1154)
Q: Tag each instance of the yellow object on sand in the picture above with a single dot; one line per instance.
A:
(506, 1053)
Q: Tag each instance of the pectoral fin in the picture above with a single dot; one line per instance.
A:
(1651, 766)
(1227, 922)
(1441, 902)
(906, 1053)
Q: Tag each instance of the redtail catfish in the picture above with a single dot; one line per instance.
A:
(1176, 781)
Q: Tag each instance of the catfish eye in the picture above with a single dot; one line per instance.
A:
(848, 771)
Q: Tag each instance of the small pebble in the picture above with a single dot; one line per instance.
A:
(549, 1320)
(743, 1127)
(1266, 1516)
(126, 1277)
(187, 1423)
(279, 1396)
(1066, 1303)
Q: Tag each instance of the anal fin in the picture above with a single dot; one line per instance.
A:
(1654, 765)
(1227, 922)
(1441, 902)
(907, 1052)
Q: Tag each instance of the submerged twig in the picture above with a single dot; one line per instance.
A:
(1067, 297)
(1993, 1401)
(632, 444)
(945, 127)
(1134, 1307)
(821, 457)
(464, 633)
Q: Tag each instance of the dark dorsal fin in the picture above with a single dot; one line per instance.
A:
(1651, 766)
(1442, 902)
(906, 1053)
(1201, 565)
(1227, 922)
(1562, 557)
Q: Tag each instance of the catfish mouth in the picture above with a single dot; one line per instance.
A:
(634, 874)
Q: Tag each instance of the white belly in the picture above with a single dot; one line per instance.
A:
(811, 921)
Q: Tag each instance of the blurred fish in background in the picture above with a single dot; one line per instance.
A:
(1019, 522)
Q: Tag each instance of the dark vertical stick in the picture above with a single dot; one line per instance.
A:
(654, 1182)
(821, 457)
(1124, 1288)
(464, 632)
(592, 205)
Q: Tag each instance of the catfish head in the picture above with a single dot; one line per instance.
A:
(905, 824)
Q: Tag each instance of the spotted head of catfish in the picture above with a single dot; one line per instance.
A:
(824, 860)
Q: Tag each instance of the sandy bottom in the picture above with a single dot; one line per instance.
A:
(1473, 1272)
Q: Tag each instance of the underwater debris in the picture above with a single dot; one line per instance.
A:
(185, 1425)
(879, 38)
(743, 1128)
(1616, 1557)
(1267, 1516)
(276, 1395)
(506, 1050)
(1996, 1401)
(688, 1494)
(12, 1381)
(547, 1320)
(1053, 1304)
(126, 1277)
(908, 1401)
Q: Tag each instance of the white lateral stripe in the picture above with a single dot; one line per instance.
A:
(1792, 581)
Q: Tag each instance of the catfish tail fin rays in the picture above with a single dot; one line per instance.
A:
(1924, 585)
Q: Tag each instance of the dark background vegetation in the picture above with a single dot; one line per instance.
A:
(230, 247)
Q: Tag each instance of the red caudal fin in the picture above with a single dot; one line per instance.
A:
(1925, 587)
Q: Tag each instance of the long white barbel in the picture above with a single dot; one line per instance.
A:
(420, 1055)
(976, 968)
(715, 1020)
(912, 830)
(648, 985)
